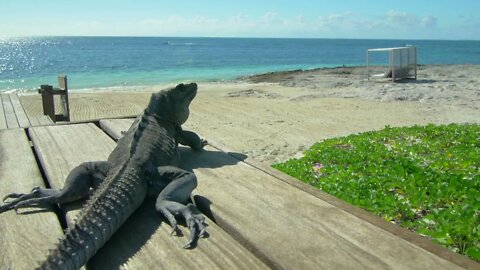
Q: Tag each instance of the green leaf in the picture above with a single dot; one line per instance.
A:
(473, 252)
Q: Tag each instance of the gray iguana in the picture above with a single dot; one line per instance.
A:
(142, 164)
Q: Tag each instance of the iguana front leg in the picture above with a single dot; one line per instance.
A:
(174, 187)
(190, 138)
(77, 186)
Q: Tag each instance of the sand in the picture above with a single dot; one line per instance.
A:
(274, 117)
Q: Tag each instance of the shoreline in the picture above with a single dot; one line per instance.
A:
(281, 76)
(274, 117)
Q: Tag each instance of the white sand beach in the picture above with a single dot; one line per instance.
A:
(276, 116)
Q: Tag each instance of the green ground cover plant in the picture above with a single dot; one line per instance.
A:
(426, 179)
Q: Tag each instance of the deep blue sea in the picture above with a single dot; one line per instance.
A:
(130, 62)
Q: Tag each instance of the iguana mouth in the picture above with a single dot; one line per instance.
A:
(191, 91)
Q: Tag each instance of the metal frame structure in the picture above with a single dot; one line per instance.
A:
(397, 68)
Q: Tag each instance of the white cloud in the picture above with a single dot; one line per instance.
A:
(237, 25)
(429, 22)
(301, 19)
(270, 17)
(400, 18)
(391, 24)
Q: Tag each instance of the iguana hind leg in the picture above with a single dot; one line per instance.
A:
(174, 187)
(77, 186)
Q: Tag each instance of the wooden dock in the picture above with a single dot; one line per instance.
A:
(258, 218)
(13, 115)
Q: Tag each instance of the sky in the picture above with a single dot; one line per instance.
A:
(378, 19)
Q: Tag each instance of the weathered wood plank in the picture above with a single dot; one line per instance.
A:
(44, 120)
(291, 228)
(323, 235)
(10, 117)
(115, 127)
(62, 148)
(20, 113)
(3, 121)
(24, 239)
(144, 241)
(34, 121)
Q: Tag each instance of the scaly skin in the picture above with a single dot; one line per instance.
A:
(142, 164)
(101, 218)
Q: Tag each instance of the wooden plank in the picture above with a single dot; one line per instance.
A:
(144, 241)
(44, 120)
(53, 145)
(291, 228)
(3, 120)
(20, 113)
(34, 121)
(62, 82)
(115, 127)
(324, 235)
(24, 239)
(10, 117)
(377, 221)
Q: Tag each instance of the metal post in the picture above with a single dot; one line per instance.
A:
(47, 101)
(392, 64)
(415, 50)
(368, 71)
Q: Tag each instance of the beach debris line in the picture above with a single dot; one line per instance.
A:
(252, 93)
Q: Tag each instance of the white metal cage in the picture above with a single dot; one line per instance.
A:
(402, 63)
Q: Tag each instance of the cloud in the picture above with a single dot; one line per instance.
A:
(269, 24)
(270, 17)
(334, 21)
(398, 18)
(429, 22)
(392, 24)
(176, 25)
(407, 21)
(399, 25)
(395, 24)
(301, 19)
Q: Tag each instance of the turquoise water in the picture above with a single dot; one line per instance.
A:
(120, 62)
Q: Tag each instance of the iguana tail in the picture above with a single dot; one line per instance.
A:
(102, 216)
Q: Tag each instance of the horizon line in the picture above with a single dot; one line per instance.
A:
(224, 37)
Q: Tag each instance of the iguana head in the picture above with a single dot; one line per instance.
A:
(172, 104)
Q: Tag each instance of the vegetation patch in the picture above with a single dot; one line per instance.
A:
(426, 179)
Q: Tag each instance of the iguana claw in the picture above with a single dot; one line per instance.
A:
(195, 220)
(17, 198)
(12, 195)
(36, 197)
(18, 195)
(195, 223)
(174, 230)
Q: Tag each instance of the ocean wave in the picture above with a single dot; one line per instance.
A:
(180, 44)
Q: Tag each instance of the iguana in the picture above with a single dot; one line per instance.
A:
(142, 164)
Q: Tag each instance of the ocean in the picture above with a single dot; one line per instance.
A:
(135, 62)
